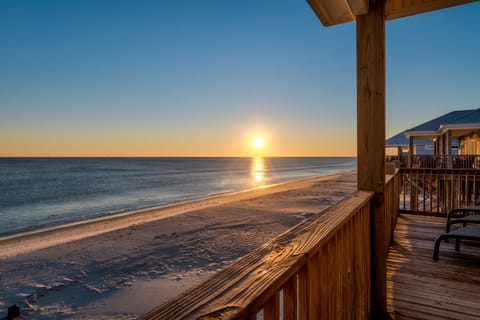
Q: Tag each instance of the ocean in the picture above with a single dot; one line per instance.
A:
(37, 193)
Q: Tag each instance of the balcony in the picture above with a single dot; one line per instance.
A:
(321, 269)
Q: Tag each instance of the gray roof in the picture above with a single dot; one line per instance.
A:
(454, 117)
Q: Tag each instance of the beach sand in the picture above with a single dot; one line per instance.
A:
(121, 267)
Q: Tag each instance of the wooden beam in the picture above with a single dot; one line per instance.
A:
(331, 12)
(371, 140)
(358, 7)
(395, 9)
(338, 11)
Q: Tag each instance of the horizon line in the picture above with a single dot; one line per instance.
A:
(179, 156)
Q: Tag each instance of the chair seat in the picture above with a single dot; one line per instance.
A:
(467, 215)
(465, 233)
(467, 219)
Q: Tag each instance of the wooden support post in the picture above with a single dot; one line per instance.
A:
(444, 146)
(371, 140)
(449, 149)
(449, 142)
(410, 152)
(400, 156)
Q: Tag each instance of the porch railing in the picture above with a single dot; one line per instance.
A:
(436, 162)
(392, 203)
(437, 191)
(319, 269)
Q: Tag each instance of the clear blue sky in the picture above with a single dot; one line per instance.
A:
(204, 77)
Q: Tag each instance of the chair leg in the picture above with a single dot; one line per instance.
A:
(447, 229)
(437, 247)
(457, 244)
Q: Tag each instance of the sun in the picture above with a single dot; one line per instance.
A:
(258, 142)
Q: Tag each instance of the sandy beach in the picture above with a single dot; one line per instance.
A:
(123, 266)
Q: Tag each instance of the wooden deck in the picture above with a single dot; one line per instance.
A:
(418, 287)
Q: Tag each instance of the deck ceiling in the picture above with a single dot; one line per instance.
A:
(331, 12)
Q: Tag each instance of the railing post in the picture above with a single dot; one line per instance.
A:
(449, 149)
(410, 152)
(371, 140)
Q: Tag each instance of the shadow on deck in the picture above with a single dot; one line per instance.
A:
(418, 287)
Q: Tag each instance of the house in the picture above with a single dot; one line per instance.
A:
(456, 133)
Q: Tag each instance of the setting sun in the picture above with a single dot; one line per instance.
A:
(258, 142)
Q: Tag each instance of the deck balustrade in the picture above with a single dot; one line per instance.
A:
(435, 162)
(437, 191)
(319, 269)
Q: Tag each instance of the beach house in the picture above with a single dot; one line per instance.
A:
(344, 263)
(451, 140)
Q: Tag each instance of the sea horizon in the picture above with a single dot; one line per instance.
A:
(166, 157)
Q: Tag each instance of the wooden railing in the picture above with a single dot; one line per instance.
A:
(446, 161)
(319, 269)
(391, 167)
(392, 203)
(436, 162)
(437, 191)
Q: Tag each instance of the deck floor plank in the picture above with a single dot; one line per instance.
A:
(418, 287)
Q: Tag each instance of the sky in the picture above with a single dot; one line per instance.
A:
(204, 78)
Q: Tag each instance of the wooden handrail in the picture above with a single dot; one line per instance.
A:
(320, 268)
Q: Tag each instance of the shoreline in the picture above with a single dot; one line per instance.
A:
(121, 268)
(42, 238)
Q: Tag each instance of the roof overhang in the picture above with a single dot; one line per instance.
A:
(422, 134)
(331, 12)
(459, 127)
(403, 146)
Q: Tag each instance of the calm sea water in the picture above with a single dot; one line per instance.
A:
(43, 192)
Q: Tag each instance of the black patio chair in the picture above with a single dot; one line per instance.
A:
(464, 216)
(465, 233)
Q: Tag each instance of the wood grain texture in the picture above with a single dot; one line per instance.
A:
(303, 294)
(417, 287)
(290, 299)
(395, 9)
(371, 99)
(332, 12)
(371, 139)
(271, 310)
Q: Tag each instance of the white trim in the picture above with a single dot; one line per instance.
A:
(396, 146)
(432, 134)
(458, 126)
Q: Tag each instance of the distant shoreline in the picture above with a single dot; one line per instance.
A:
(50, 236)
(121, 268)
